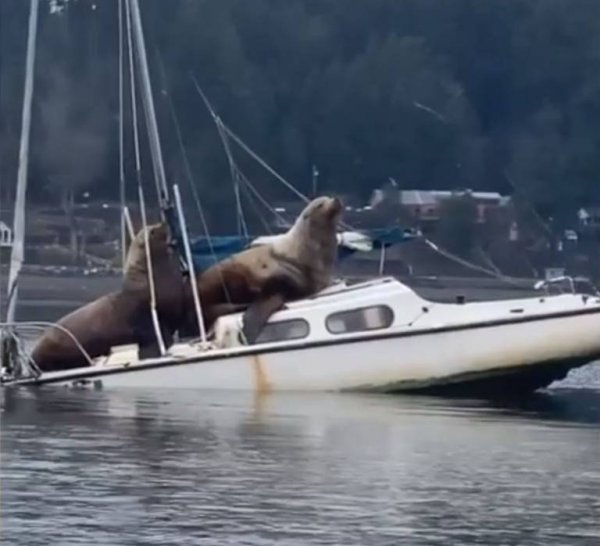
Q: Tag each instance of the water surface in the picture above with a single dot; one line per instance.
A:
(180, 467)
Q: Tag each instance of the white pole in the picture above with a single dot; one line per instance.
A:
(155, 322)
(121, 142)
(128, 223)
(157, 159)
(17, 251)
(190, 263)
(382, 260)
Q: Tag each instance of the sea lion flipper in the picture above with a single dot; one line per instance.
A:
(257, 315)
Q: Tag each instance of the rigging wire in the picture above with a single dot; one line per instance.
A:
(121, 142)
(188, 173)
(184, 156)
(138, 168)
(229, 133)
(254, 205)
(132, 87)
(249, 151)
(17, 249)
(234, 170)
(147, 100)
(518, 190)
(262, 200)
(452, 257)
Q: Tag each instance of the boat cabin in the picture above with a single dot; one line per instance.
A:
(340, 309)
(379, 306)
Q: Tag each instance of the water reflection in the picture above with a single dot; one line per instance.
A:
(137, 467)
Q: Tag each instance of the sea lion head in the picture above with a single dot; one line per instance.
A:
(313, 239)
(161, 253)
(320, 216)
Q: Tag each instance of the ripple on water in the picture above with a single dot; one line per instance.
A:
(135, 467)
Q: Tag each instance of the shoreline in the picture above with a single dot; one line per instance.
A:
(66, 293)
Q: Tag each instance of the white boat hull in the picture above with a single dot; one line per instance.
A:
(488, 355)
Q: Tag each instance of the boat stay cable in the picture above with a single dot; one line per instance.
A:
(244, 146)
(189, 176)
(252, 198)
(138, 169)
(190, 264)
(226, 130)
(236, 172)
(235, 176)
(223, 128)
(233, 168)
(452, 257)
(121, 143)
(18, 240)
(148, 102)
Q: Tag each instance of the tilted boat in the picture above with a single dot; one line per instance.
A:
(375, 336)
(372, 336)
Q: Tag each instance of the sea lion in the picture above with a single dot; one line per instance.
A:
(123, 316)
(259, 280)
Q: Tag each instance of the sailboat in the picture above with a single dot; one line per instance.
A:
(11, 353)
(374, 336)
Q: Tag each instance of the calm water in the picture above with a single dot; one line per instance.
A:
(169, 468)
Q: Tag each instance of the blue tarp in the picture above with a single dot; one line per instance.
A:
(206, 252)
(379, 238)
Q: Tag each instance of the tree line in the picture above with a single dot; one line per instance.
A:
(490, 95)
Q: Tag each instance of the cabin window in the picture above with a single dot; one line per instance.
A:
(359, 320)
(284, 330)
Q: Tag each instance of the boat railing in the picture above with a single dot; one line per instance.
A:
(16, 361)
(546, 284)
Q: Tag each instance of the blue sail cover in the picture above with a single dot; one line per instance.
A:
(379, 238)
(206, 251)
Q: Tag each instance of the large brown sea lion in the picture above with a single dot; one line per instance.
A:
(124, 316)
(259, 280)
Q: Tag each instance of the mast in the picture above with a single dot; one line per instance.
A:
(161, 198)
(157, 159)
(121, 143)
(17, 251)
